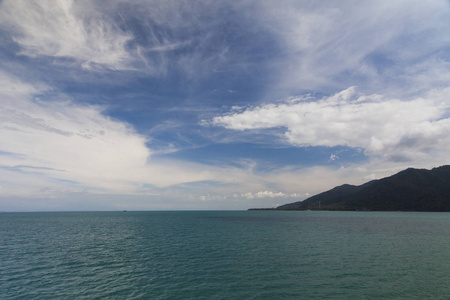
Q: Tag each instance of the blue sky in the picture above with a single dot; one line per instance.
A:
(110, 105)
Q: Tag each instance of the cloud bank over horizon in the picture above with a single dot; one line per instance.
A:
(215, 104)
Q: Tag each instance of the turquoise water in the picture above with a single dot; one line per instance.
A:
(225, 255)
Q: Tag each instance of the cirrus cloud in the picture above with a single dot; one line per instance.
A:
(63, 29)
(335, 44)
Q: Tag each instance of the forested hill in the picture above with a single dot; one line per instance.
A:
(408, 190)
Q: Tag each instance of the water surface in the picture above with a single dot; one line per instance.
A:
(225, 255)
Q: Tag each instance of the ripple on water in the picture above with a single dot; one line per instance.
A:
(225, 255)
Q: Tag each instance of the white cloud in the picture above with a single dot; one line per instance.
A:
(11, 87)
(67, 141)
(57, 151)
(67, 29)
(50, 149)
(386, 127)
(122, 35)
(333, 157)
(329, 45)
(262, 194)
(315, 43)
(55, 146)
(269, 194)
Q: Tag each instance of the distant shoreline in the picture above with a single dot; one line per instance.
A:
(411, 190)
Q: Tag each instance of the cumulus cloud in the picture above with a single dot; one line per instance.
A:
(67, 29)
(267, 194)
(263, 198)
(262, 194)
(392, 128)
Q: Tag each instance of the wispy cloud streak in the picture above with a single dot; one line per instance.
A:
(62, 29)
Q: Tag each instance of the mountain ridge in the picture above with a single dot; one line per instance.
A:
(409, 190)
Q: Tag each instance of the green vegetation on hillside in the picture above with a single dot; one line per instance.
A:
(408, 190)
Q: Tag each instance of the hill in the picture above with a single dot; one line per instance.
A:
(408, 190)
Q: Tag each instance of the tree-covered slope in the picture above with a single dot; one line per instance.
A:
(408, 190)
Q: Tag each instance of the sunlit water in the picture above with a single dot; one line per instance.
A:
(225, 255)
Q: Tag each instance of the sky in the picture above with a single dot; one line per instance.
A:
(203, 105)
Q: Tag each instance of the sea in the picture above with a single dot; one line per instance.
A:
(225, 255)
